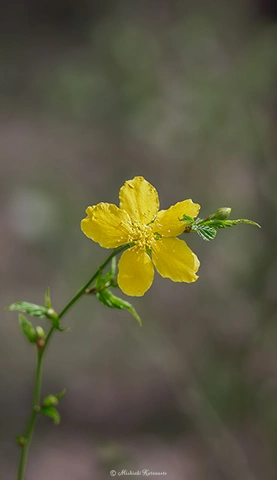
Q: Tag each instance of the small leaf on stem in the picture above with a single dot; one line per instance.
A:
(30, 308)
(48, 303)
(107, 298)
(27, 328)
(51, 412)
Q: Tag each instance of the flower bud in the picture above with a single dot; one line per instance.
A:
(222, 213)
(40, 332)
(51, 314)
(21, 441)
(50, 401)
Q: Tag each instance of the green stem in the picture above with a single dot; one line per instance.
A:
(29, 431)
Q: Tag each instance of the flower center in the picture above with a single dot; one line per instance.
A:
(142, 235)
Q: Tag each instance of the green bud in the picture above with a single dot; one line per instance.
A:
(222, 213)
(50, 401)
(21, 440)
(40, 332)
(51, 314)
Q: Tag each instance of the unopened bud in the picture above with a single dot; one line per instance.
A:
(21, 441)
(40, 332)
(222, 213)
(51, 314)
(50, 401)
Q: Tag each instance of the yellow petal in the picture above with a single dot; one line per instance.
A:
(135, 272)
(174, 259)
(140, 199)
(107, 225)
(168, 222)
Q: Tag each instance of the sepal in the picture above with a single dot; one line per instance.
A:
(110, 300)
(27, 328)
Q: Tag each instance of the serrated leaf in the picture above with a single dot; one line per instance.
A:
(107, 298)
(206, 232)
(51, 412)
(230, 223)
(27, 328)
(34, 310)
(217, 223)
(188, 219)
(48, 303)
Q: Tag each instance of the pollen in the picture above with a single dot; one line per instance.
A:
(142, 235)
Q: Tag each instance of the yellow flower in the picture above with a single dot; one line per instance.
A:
(152, 232)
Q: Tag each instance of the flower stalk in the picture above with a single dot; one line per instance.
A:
(25, 440)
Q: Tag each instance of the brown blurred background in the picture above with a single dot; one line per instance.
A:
(183, 93)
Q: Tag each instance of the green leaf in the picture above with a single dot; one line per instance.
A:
(30, 308)
(27, 328)
(187, 219)
(51, 412)
(107, 298)
(231, 223)
(206, 232)
(60, 394)
(207, 228)
(48, 303)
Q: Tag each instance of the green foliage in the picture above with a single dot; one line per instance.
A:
(27, 328)
(39, 311)
(25, 307)
(53, 400)
(53, 316)
(40, 332)
(50, 401)
(60, 394)
(48, 406)
(51, 412)
(21, 440)
(48, 303)
(207, 228)
(107, 298)
(206, 232)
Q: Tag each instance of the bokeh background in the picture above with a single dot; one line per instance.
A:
(183, 93)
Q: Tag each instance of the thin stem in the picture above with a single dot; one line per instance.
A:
(82, 290)
(40, 351)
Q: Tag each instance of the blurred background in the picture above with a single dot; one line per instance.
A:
(183, 93)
